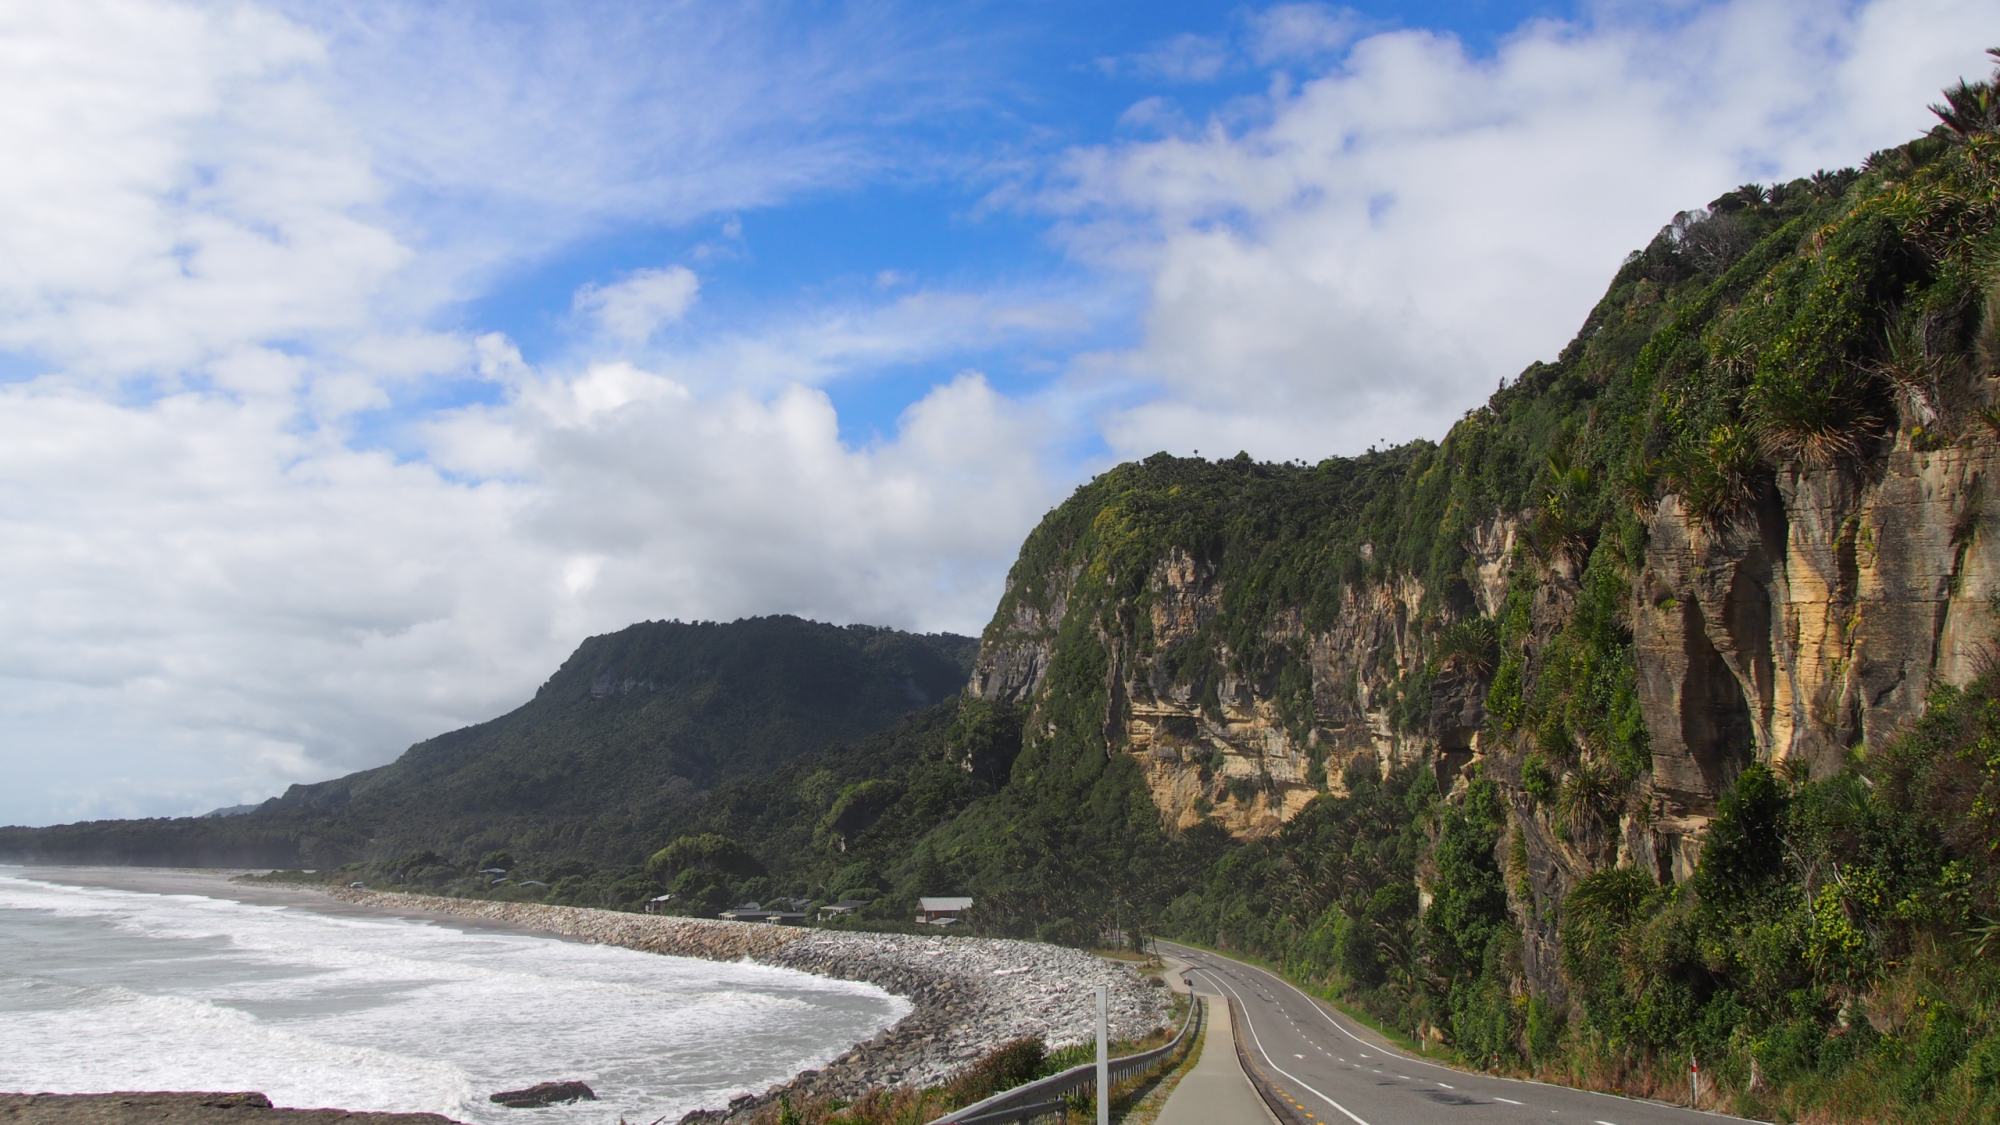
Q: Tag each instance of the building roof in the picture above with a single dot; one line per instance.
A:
(940, 904)
(741, 914)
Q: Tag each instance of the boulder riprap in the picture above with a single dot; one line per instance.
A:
(544, 1093)
(968, 995)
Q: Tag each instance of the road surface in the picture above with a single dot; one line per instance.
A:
(1345, 1074)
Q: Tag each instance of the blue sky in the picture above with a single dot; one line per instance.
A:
(1031, 80)
(357, 359)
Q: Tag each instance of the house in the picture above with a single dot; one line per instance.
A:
(941, 911)
(755, 912)
(658, 903)
(844, 906)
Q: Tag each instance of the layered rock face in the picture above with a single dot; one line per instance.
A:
(1812, 620)
(1247, 754)
(1807, 625)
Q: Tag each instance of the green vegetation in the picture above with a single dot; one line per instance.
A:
(624, 740)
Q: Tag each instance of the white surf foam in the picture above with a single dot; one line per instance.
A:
(134, 991)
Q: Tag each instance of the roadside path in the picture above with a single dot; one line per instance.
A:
(1215, 1092)
(1345, 1074)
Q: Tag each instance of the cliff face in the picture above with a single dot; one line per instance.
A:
(1808, 624)
(1815, 623)
(1230, 746)
(1741, 519)
(1805, 625)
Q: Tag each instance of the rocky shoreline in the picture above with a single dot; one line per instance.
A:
(969, 995)
(182, 1108)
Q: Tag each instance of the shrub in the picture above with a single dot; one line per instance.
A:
(1006, 1067)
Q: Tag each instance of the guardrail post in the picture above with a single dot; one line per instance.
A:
(1103, 1055)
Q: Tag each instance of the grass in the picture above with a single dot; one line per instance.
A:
(1152, 1099)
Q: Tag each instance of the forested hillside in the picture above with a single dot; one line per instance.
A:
(610, 754)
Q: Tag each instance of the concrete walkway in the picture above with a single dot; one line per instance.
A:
(1215, 1092)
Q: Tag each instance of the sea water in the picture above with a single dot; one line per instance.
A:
(104, 990)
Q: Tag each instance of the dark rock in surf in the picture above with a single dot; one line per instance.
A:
(544, 1093)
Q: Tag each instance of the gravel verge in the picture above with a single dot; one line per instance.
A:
(969, 995)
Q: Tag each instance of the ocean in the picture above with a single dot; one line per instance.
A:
(104, 990)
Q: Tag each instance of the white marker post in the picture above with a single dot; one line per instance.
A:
(1103, 1055)
(1694, 1082)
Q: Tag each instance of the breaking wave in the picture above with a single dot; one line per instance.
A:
(115, 990)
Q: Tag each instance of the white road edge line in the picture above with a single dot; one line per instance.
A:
(1252, 1025)
(1414, 1059)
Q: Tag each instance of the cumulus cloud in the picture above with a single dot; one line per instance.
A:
(1393, 237)
(633, 309)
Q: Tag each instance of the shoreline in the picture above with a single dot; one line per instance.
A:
(967, 995)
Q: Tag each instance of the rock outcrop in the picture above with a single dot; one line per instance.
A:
(175, 1108)
(544, 1094)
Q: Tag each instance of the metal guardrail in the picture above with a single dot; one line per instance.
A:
(1044, 1097)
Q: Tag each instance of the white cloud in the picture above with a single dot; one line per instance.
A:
(229, 232)
(1296, 32)
(633, 309)
(1395, 236)
(1182, 58)
(824, 343)
(178, 189)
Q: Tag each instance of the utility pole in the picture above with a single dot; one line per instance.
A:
(1103, 1055)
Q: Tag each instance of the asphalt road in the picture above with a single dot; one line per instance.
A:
(1345, 1074)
